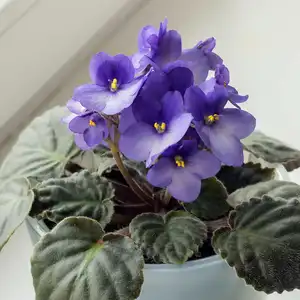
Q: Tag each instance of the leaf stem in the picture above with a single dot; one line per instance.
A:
(133, 185)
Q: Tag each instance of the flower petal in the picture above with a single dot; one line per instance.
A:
(100, 70)
(194, 101)
(92, 96)
(75, 107)
(144, 35)
(69, 118)
(80, 123)
(160, 175)
(169, 48)
(236, 122)
(203, 164)
(185, 186)
(227, 148)
(174, 133)
(124, 69)
(234, 96)
(123, 98)
(137, 141)
(172, 105)
(127, 119)
(198, 63)
(222, 75)
(208, 86)
(180, 77)
(93, 136)
(80, 142)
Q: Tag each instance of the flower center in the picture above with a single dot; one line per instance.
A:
(160, 127)
(114, 85)
(92, 123)
(211, 119)
(225, 84)
(179, 161)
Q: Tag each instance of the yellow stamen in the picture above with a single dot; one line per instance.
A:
(225, 84)
(212, 119)
(179, 161)
(114, 85)
(92, 123)
(160, 127)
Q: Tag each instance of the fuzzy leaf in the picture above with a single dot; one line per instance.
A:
(272, 150)
(76, 261)
(82, 194)
(42, 149)
(263, 243)
(211, 203)
(238, 177)
(16, 199)
(172, 238)
(99, 159)
(274, 188)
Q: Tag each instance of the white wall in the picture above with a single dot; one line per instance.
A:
(259, 41)
(39, 38)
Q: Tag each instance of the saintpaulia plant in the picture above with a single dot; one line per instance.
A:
(148, 167)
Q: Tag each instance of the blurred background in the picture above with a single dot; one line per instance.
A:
(46, 45)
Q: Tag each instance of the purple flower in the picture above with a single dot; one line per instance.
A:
(222, 78)
(219, 128)
(89, 128)
(114, 86)
(157, 46)
(159, 124)
(201, 59)
(181, 168)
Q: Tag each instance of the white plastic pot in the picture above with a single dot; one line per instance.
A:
(204, 279)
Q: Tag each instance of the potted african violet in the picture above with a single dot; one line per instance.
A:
(151, 197)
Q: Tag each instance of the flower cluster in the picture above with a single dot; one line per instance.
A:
(164, 110)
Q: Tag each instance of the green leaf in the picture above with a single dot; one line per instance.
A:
(76, 261)
(274, 188)
(82, 194)
(42, 149)
(263, 243)
(16, 199)
(238, 177)
(272, 150)
(211, 203)
(99, 159)
(172, 238)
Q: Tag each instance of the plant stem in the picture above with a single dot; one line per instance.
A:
(133, 185)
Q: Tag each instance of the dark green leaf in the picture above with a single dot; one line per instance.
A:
(82, 194)
(172, 238)
(211, 203)
(42, 149)
(273, 188)
(238, 177)
(263, 243)
(16, 199)
(76, 261)
(272, 150)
